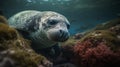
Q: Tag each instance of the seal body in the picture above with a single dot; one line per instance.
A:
(44, 29)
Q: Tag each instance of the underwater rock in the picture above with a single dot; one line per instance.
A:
(65, 65)
(16, 51)
(67, 51)
(107, 36)
(89, 54)
(6, 33)
(78, 36)
(108, 24)
(6, 61)
(115, 29)
(3, 19)
(97, 48)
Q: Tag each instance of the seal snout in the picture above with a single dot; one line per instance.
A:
(58, 35)
(63, 36)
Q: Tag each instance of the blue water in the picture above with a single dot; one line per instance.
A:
(82, 14)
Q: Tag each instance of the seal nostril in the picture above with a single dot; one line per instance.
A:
(60, 31)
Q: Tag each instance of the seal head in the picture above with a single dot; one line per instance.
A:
(55, 26)
(44, 29)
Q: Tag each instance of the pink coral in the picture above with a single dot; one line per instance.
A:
(98, 54)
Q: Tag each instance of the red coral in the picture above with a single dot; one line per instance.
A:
(89, 54)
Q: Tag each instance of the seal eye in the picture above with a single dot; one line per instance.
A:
(68, 26)
(53, 22)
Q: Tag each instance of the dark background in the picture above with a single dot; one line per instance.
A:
(82, 14)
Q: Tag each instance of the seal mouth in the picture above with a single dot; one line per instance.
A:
(61, 37)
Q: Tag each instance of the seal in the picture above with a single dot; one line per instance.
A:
(44, 29)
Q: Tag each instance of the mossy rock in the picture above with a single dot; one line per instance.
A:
(26, 58)
(108, 24)
(18, 48)
(3, 19)
(103, 35)
(70, 42)
(7, 33)
(104, 26)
